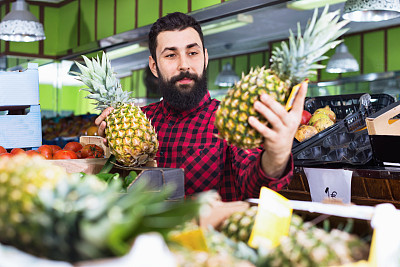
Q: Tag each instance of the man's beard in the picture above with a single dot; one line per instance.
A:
(183, 99)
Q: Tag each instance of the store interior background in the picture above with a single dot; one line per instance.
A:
(75, 27)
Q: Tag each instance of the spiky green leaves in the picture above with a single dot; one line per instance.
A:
(103, 85)
(296, 60)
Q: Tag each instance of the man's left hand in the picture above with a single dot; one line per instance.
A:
(278, 136)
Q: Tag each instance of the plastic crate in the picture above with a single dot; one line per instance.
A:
(23, 131)
(345, 142)
(20, 88)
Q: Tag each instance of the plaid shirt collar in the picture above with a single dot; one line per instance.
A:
(168, 109)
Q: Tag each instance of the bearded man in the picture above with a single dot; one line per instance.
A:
(184, 120)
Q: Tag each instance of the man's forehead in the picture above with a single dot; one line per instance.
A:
(178, 38)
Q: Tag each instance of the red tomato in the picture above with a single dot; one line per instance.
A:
(73, 146)
(46, 151)
(305, 117)
(55, 148)
(65, 154)
(16, 151)
(2, 150)
(92, 150)
(79, 154)
(6, 155)
(34, 153)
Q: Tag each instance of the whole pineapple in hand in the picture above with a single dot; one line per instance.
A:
(291, 63)
(131, 137)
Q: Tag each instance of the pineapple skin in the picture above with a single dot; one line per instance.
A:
(231, 118)
(131, 137)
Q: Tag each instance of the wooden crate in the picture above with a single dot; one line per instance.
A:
(368, 187)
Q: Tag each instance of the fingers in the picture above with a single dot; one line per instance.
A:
(268, 113)
(261, 128)
(100, 121)
(298, 103)
(103, 115)
(102, 128)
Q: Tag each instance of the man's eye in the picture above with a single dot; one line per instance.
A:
(170, 55)
(193, 53)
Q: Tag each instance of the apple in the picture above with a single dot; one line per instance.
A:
(305, 117)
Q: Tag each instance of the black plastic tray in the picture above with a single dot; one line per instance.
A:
(345, 142)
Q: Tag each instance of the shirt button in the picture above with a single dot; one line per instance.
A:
(161, 153)
(170, 124)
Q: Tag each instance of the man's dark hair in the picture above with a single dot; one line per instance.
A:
(172, 22)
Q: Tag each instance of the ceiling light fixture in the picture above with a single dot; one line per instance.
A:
(311, 4)
(371, 10)
(126, 51)
(227, 77)
(342, 61)
(20, 25)
(226, 25)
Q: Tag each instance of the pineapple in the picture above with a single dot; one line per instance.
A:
(306, 244)
(131, 137)
(291, 63)
(48, 213)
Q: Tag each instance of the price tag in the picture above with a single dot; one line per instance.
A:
(272, 220)
(329, 183)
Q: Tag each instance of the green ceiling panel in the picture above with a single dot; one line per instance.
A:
(51, 25)
(256, 60)
(141, 89)
(87, 29)
(47, 94)
(2, 14)
(266, 59)
(148, 12)
(125, 15)
(30, 47)
(393, 41)
(353, 43)
(199, 4)
(241, 65)
(170, 6)
(374, 52)
(212, 72)
(68, 34)
(105, 18)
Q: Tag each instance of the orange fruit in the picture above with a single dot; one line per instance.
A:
(91, 131)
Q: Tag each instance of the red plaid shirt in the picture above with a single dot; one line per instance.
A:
(187, 140)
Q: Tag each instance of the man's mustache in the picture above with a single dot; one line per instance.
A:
(183, 75)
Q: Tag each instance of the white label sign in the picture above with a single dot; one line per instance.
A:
(329, 183)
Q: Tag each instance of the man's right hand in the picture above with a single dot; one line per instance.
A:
(101, 123)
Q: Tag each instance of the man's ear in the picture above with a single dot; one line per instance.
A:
(205, 57)
(153, 66)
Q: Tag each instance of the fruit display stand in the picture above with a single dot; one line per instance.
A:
(20, 117)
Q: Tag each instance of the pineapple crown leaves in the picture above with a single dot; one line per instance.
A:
(103, 85)
(297, 59)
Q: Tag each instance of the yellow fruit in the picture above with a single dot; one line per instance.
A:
(305, 132)
(92, 131)
(317, 116)
(328, 111)
(323, 123)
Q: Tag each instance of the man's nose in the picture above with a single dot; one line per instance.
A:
(183, 64)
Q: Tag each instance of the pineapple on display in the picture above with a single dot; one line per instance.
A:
(290, 64)
(131, 137)
(306, 244)
(48, 213)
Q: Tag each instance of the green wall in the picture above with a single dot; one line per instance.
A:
(81, 22)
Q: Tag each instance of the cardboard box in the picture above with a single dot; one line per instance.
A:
(384, 133)
(20, 88)
(23, 131)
